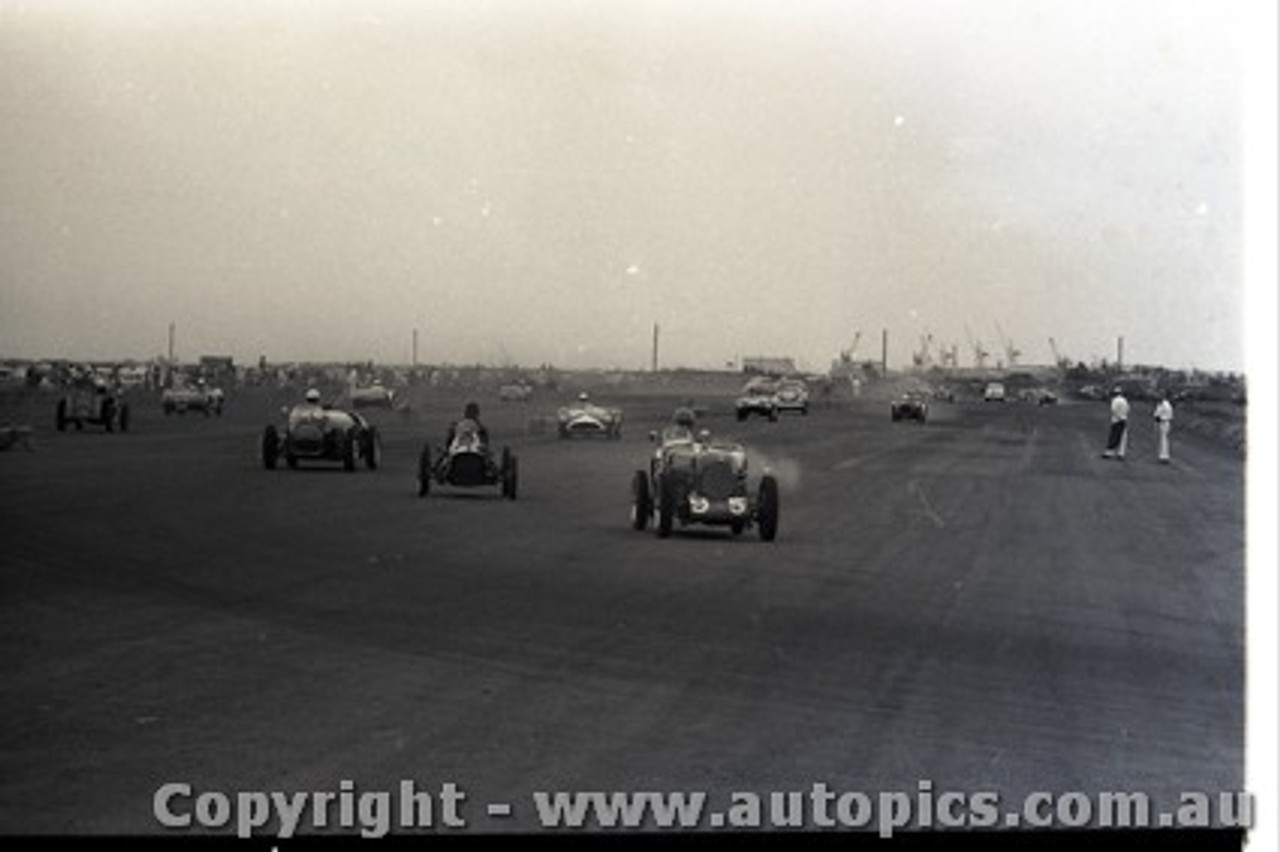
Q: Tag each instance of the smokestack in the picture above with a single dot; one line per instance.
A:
(415, 347)
(171, 331)
(1120, 353)
(655, 347)
(884, 352)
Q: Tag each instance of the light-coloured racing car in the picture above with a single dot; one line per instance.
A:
(321, 433)
(182, 398)
(585, 418)
(372, 396)
(758, 396)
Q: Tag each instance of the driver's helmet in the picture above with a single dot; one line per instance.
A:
(683, 416)
(313, 395)
(471, 411)
(583, 397)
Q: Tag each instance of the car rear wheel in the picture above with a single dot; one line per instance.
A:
(666, 506)
(349, 451)
(270, 447)
(767, 508)
(371, 447)
(641, 501)
(424, 472)
(510, 474)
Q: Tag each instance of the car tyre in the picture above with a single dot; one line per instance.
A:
(641, 501)
(767, 508)
(62, 415)
(510, 475)
(371, 447)
(270, 447)
(424, 472)
(349, 451)
(666, 506)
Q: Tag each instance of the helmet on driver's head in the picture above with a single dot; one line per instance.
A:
(313, 395)
(472, 411)
(583, 396)
(683, 417)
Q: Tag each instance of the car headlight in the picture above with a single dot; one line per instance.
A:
(738, 505)
(699, 505)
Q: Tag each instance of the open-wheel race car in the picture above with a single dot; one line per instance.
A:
(92, 404)
(375, 395)
(182, 398)
(694, 480)
(584, 417)
(321, 433)
(465, 461)
(912, 405)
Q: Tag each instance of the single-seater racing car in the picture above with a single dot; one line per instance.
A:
(314, 432)
(467, 462)
(912, 405)
(584, 417)
(694, 480)
(91, 402)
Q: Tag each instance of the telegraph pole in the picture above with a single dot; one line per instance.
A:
(171, 332)
(655, 347)
(884, 352)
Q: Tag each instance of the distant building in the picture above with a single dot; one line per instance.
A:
(769, 366)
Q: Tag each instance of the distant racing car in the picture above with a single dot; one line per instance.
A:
(910, 406)
(694, 480)
(372, 396)
(182, 398)
(791, 395)
(519, 391)
(757, 397)
(92, 403)
(585, 418)
(322, 433)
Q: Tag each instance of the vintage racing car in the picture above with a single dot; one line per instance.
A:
(468, 463)
(694, 480)
(92, 403)
(519, 391)
(372, 396)
(912, 405)
(586, 418)
(182, 398)
(791, 395)
(758, 397)
(322, 433)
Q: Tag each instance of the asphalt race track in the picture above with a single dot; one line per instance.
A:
(981, 602)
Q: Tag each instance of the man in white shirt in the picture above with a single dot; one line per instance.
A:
(1118, 438)
(1164, 421)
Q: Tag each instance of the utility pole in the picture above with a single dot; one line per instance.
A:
(655, 347)
(1120, 352)
(415, 348)
(884, 352)
(171, 332)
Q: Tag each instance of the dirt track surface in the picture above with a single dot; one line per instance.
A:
(982, 602)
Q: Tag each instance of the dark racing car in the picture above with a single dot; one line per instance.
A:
(694, 480)
(466, 462)
(910, 406)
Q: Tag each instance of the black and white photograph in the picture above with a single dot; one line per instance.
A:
(850, 419)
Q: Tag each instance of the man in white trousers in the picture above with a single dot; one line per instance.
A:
(1118, 437)
(1164, 421)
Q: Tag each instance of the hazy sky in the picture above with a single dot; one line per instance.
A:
(542, 180)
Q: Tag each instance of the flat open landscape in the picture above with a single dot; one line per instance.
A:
(981, 602)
